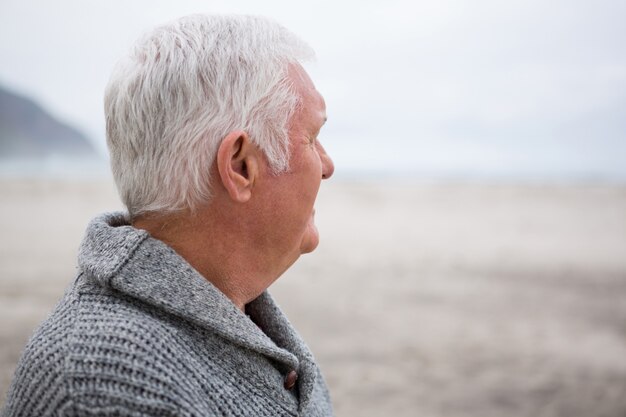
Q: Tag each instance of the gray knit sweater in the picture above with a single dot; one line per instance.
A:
(141, 333)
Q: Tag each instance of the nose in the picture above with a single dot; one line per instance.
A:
(328, 167)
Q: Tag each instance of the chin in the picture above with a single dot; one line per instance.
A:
(310, 241)
(308, 248)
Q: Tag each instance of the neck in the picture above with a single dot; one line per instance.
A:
(220, 249)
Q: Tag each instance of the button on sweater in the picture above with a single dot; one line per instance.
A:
(141, 333)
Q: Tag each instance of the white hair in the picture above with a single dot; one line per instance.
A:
(181, 90)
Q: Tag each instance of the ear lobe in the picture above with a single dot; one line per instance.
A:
(237, 164)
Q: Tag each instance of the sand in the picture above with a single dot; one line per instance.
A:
(422, 300)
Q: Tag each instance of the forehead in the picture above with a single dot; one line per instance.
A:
(312, 103)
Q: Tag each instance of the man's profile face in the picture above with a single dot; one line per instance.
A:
(296, 190)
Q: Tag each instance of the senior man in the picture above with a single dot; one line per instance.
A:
(212, 128)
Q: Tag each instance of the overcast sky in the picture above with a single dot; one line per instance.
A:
(486, 87)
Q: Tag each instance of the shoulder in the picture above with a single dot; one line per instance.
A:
(38, 386)
(123, 355)
(99, 353)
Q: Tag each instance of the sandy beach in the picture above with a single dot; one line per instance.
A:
(423, 299)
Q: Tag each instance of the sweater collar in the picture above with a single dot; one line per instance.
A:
(119, 256)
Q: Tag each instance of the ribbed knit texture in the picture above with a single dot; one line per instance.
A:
(141, 333)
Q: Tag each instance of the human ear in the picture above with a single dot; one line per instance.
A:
(237, 164)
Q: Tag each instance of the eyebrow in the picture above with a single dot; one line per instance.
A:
(318, 129)
(323, 123)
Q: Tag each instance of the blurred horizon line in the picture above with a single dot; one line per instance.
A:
(70, 169)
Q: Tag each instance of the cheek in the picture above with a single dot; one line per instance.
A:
(309, 192)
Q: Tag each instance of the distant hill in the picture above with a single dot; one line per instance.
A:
(27, 131)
